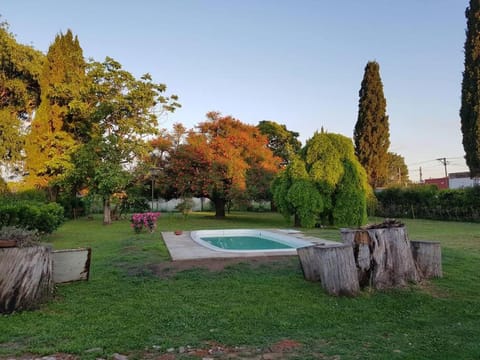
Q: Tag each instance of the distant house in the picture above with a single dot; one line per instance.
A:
(461, 180)
(440, 183)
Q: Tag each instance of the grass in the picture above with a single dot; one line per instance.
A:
(125, 308)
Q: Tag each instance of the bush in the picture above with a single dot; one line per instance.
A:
(134, 203)
(144, 220)
(427, 202)
(26, 195)
(185, 206)
(44, 218)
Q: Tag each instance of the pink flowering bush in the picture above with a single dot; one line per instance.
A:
(144, 220)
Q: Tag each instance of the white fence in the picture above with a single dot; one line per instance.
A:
(199, 204)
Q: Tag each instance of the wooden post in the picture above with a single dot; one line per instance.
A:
(334, 266)
(382, 255)
(25, 277)
(428, 257)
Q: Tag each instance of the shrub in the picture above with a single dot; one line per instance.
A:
(185, 206)
(35, 195)
(44, 218)
(144, 220)
(427, 202)
(134, 203)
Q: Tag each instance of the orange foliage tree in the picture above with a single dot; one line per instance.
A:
(216, 159)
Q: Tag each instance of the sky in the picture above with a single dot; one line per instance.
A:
(297, 62)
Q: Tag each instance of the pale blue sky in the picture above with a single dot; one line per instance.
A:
(299, 63)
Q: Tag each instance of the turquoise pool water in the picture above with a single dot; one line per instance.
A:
(245, 243)
(249, 241)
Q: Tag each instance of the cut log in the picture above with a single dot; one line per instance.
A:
(383, 256)
(25, 278)
(428, 257)
(333, 266)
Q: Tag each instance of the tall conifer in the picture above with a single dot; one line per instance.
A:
(470, 108)
(54, 131)
(371, 134)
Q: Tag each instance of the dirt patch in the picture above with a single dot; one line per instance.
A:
(285, 346)
(281, 350)
(170, 268)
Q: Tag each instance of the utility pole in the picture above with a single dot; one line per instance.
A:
(421, 180)
(444, 162)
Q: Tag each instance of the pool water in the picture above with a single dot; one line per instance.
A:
(247, 241)
(244, 243)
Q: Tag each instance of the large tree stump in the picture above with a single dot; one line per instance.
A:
(428, 257)
(26, 277)
(383, 256)
(334, 266)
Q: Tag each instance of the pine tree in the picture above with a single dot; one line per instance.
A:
(470, 108)
(54, 131)
(371, 134)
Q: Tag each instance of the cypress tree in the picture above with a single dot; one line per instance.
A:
(53, 135)
(470, 108)
(371, 134)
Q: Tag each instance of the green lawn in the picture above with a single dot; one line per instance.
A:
(125, 308)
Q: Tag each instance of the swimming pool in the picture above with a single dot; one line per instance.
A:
(246, 240)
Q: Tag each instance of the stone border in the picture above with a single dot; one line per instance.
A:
(182, 247)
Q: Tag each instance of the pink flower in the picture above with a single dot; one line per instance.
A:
(147, 220)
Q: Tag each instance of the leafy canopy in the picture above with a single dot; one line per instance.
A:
(325, 184)
(20, 68)
(217, 158)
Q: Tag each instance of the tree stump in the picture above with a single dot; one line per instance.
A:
(428, 257)
(334, 266)
(26, 277)
(383, 256)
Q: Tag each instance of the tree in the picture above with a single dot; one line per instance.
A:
(371, 134)
(397, 173)
(20, 67)
(470, 108)
(216, 158)
(124, 113)
(283, 142)
(325, 184)
(52, 140)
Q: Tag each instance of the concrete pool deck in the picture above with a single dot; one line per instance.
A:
(182, 247)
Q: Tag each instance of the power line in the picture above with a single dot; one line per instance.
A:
(444, 162)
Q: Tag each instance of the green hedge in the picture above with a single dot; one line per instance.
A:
(427, 202)
(31, 215)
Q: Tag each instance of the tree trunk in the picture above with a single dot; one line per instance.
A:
(26, 278)
(428, 257)
(334, 266)
(219, 208)
(383, 256)
(107, 213)
(296, 221)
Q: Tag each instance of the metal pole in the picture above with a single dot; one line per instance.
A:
(153, 182)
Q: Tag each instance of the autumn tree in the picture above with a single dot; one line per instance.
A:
(51, 140)
(371, 134)
(470, 107)
(216, 158)
(325, 184)
(283, 142)
(20, 68)
(124, 114)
